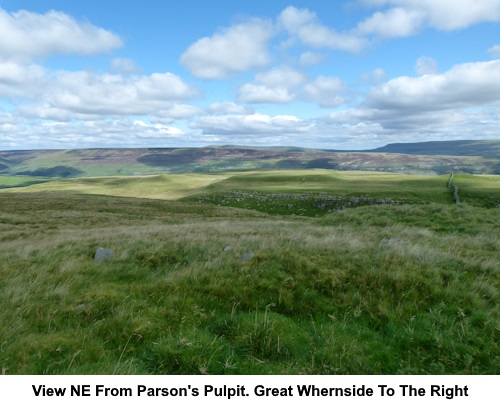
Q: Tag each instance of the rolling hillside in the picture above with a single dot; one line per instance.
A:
(423, 158)
(209, 280)
(445, 148)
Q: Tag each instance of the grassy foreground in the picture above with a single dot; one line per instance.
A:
(384, 289)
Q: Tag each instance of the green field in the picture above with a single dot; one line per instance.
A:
(274, 191)
(167, 187)
(20, 181)
(351, 273)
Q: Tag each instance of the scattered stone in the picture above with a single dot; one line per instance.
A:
(103, 254)
(80, 307)
(289, 206)
(227, 248)
(247, 256)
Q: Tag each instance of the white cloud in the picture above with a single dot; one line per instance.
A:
(254, 124)
(106, 94)
(21, 80)
(67, 95)
(281, 76)
(232, 50)
(461, 103)
(284, 85)
(311, 58)
(426, 66)
(465, 85)
(94, 133)
(274, 86)
(495, 51)
(181, 111)
(325, 91)
(366, 128)
(174, 112)
(47, 112)
(229, 108)
(259, 93)
(154, 131)
(407, 17)
(8, 118)
(396, 22)
(305, 26)
(25, 35)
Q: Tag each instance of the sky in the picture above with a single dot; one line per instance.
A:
(353, 74)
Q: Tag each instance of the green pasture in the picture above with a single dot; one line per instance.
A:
(409, 289)
(7, 181)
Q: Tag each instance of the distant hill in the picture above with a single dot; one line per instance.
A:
(473, 157)
(445, 148)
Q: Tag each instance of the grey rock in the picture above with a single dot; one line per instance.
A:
(227, 248)
(80, 307)
(103, 254)
(247, 256)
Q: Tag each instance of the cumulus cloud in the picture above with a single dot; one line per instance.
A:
(259, 93)
(232, 50)
(229, 108)
(362, 127)
(63, 95)
(396, 22)
(156, 130)
(47, 112)
(94, 133)
(461, 103)
(256, 124)
(274, 86)
(325, 91)
(407, 17)
(19, 81)
(173, 112)
(305, 26)
(465, 85)
(88, 93)
(25, 35)
(281, 76)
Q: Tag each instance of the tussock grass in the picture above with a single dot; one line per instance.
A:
(385, 289)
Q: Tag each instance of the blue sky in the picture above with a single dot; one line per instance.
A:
(345, 75)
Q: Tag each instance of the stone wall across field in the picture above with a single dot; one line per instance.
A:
(455, 194)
